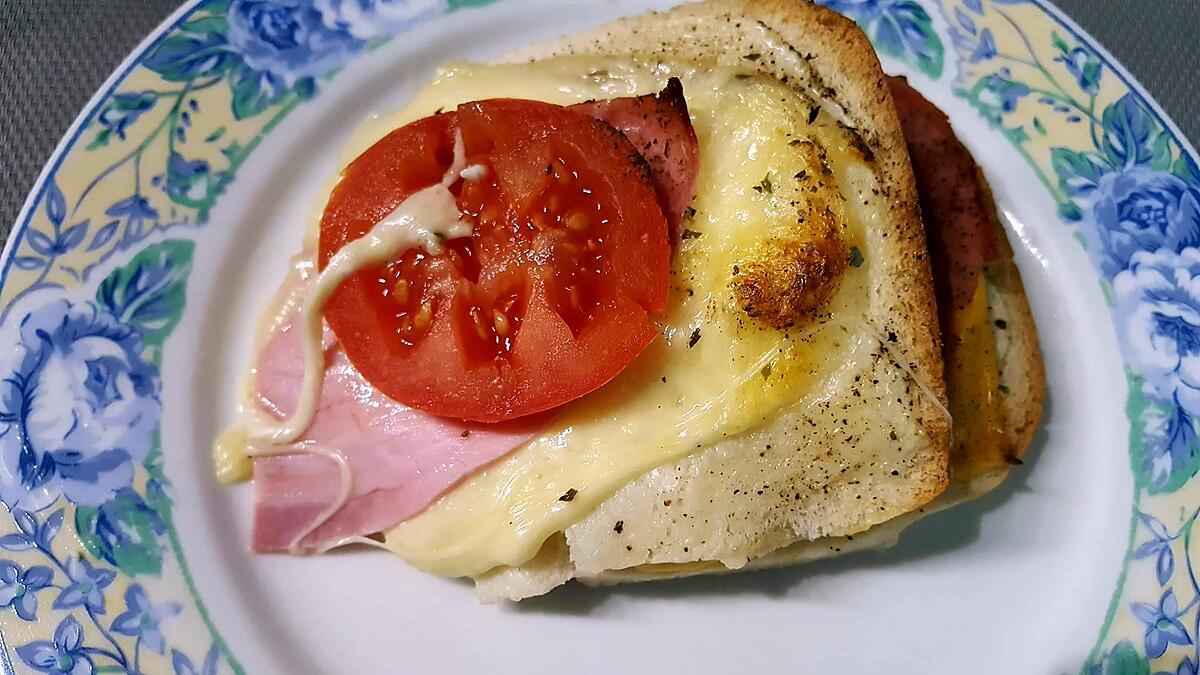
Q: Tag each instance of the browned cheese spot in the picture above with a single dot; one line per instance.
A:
(786, 282)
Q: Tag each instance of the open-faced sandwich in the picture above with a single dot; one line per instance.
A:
(694, 292)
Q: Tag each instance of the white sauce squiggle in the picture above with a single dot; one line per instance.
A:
(425, 220)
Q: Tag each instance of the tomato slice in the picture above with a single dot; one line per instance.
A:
(547, 300)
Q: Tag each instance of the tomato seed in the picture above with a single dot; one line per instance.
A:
(577, 221)
(421, 320)
(401, 291)
(480, 327)
(501, 323)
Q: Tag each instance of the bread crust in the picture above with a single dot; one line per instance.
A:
(1022, 372)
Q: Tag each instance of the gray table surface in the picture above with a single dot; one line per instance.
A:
(54, 54)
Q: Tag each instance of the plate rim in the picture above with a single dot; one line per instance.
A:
(70, 140)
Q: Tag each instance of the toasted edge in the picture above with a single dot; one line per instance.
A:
(1022, 371)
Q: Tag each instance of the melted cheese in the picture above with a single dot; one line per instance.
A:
(716, 372)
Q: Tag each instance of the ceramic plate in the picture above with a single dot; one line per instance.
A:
(167, 215)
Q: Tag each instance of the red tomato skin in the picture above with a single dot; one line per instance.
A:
(550, 362)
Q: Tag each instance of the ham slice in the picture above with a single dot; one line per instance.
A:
(402, 459)
(659, 126)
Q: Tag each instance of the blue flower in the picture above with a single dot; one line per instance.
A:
(986, 49)
(366, 19)
(123, 110)
(1084, 67)
(188, 181)
(141, 618)
(1185, 667)
(78, 404)
(136, 210)
(86, 587)
(1159, 547)
(19, 589)
(1144, 210)
(64, 656)
(1162, 624)
(1000, 92)
(182, 665)
(1158, 315)
(287, 40)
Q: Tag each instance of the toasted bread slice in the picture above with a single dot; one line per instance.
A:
(764, 497)
(1019, 389)
(1023, 377)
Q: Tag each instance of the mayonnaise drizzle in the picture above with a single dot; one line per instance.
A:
(425, 220)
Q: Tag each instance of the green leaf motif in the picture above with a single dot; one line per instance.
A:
(1059, 43)
(1070, 211)
(252, 93)
(453, 5)
(1160, 158)
(125, 532)
(1130, 132)
(905, 31)
(101, 140)
(1078, 172)
(1136, 407)
(197, 49)
(181, 58)
(1185, 167)
(1124, 659)
(149, 292)
(211, 24)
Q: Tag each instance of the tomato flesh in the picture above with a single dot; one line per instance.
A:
(547, 300)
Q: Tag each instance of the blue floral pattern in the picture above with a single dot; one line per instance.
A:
(65, 655)
(80, 392)
(141, 618)
(94, 290)
(1133, 191)
(898, 28)
(82, 355)
(19, 588)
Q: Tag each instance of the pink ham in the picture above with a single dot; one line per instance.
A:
(661, 130)
(401, 459)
